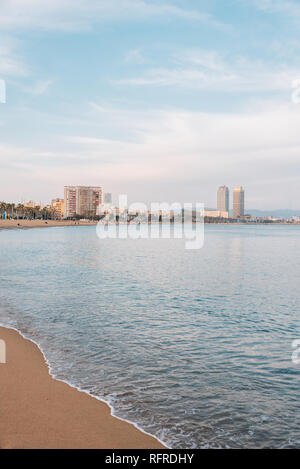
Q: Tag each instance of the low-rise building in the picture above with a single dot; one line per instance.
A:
(32, 204)
(57, 208)
(216, 214)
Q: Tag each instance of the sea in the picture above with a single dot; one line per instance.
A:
(196, 347)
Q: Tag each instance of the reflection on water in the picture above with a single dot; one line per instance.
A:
(194, 346)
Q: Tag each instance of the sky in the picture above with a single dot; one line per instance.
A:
(161, 100)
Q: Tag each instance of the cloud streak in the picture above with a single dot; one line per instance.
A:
(201, 150)
(288, 8)
(73, 15)
(210, 71)
(10, 62)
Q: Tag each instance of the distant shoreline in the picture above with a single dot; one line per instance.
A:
(28, 224)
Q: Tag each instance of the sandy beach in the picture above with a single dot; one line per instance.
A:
(25, 224)
(37, 411)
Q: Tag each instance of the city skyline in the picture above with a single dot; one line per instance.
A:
(188, 101)
(223, 203)
(87, 202)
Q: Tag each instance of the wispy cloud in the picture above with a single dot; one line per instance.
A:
(70, 15)
(40, 87)
(11, 64)
(169, 146)
(288, 7)
(134, 56)
(209, 70)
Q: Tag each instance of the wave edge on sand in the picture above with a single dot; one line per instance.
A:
(106, 430)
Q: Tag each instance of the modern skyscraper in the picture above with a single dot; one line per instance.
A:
(238, 202)
(223, 199)
(82, 200)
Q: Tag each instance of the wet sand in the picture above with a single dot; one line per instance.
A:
(37, 411)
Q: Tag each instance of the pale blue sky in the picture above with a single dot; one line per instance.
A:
(162, 100)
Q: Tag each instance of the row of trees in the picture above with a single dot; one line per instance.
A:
(19, 211)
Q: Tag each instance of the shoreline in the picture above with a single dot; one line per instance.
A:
(39, 411)
(30, 224)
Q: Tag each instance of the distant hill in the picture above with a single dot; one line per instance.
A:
(282, 213)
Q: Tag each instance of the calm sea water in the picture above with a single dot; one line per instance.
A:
(193, 346)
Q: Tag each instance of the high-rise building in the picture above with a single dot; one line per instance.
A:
(238, 202)
(107, 198)
(223, 199)
(82, 200)
(70, 201)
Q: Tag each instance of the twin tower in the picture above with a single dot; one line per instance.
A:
(238, 201)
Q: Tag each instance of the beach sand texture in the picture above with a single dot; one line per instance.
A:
(24, 224)
(37, 411)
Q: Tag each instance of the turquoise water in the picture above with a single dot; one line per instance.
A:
(193, 346)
